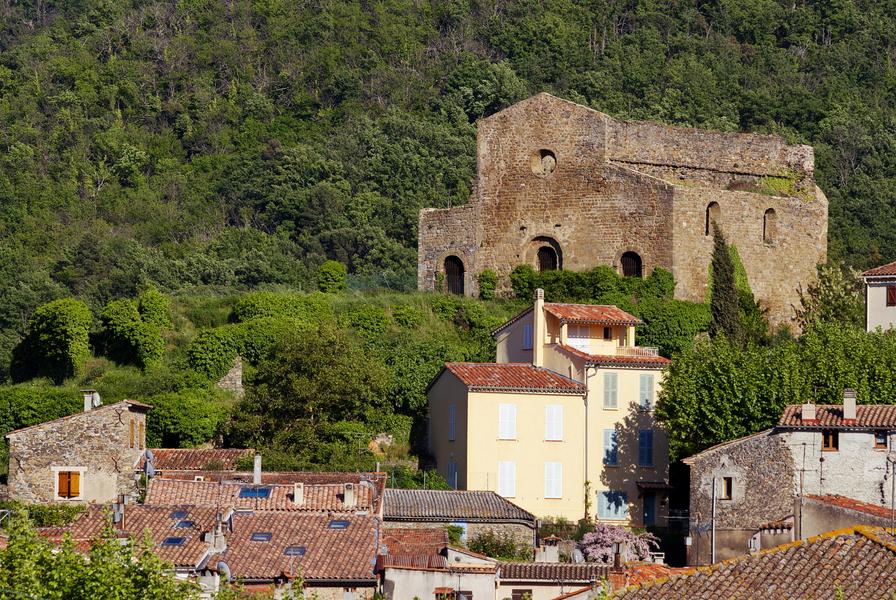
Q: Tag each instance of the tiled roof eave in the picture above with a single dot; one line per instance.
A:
(838, 426)
(628, 365)
(574, 321)
(453, 518)
(525, 390)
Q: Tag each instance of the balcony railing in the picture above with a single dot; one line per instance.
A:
(637, 351)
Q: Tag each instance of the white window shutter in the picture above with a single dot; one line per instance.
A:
(610, 387)
(553, 422)
(647, 391)
(507, 421)
(507, 478)
(553, 480)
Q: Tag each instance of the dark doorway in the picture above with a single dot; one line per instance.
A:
(547, 259)
(631, 264)
(454, 275)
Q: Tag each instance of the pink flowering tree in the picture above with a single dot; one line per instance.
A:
(597, 546)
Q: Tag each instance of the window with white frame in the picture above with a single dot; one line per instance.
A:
(578, 336)
(647, 391)
(452, 422)
(611, 447)
(527, 336)
(553, 480)
(507, 421)
(611, 382)
(612, 505)
(553, 422)
(645, 448)
(507, 478)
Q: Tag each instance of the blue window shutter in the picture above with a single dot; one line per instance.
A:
(645, 447)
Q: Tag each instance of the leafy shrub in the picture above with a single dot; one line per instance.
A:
(331, 277)
(186, 418)
(307, 307)
(213, 351)
(369, 321)
(47, 515)
(257, 336)
(407, 317)
(522, 281)
(488, 283)
(154, 307)
(127, 338)
(56, 344)
(445, 307)
(502, 545)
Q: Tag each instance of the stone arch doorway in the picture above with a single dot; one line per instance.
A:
(545, 254)
(631, 264)
(454, 275)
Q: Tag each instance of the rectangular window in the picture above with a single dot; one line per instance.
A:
(880, 439)
(830, 440)
(521, 595)
(452, 474)
(727, 491)
(612, 505)
(527, 336)
(69, 484)
(553, 422)
(507, 421)
(579, 336)
(608, 333)
(646, 396)
(553, 480)
(610, 383)
(891, 295)
(645, 448)
(452, 422)
(507, 478)
(611, 448)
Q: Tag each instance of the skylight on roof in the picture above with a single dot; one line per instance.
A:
(179, 514)
(338, 524)
(261, 536)
(294, 551)
(255, 492)
(184, 524)
(174, 541)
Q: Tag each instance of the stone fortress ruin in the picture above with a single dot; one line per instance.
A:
(562, 186)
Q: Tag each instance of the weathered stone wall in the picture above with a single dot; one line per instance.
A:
(551, 172)
(97, 441)
(762, 471)
(815, 517)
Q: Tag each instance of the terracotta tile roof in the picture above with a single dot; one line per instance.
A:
(622, 361)
(414, 540)
(881, 271)
(567, 572)
(282, 477)
(118, 405)
(860, 562)
(197, 459)
(160, 521)
(638, 573)
(500, 377)
(867, 416)
(451, 505)
(591, 313)
(875, 510)
(317, 498)
(322, 552)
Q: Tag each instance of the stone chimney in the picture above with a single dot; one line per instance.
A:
(849, 405)
(298, 493)
(91, 399)
(538, 329)
(219, 542)
(548, 551)
(348, 496)
(256, 470)
(808, 412)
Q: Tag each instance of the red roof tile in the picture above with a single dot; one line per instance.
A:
(638, 573)
(345, 553)
(646, 361)
(499, 377)
(197, 459)
(857, 562)
(566, 572)
(591, 313)
(452, 505)
(881, 271)
(415, 540)
(317, 498)
(867, 416)
(417, 562)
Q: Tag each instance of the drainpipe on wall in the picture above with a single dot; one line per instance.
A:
(587, 450)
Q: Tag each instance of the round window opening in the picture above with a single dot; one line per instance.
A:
(543, 163)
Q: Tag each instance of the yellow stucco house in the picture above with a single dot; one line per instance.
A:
(562, 424)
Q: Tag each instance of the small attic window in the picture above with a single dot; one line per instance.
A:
(174, 541)
(184, 524)
(338, 524)
(179, 514)
(294, 551)
(261, 536)
(255, 492)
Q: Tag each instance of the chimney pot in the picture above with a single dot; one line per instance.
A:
(91, 397)
(256, 471)
(348, 495)
(808, 412)
(849, 405)
(298, 493)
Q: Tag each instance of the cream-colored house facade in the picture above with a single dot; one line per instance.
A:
(880, 297)
(562, 424)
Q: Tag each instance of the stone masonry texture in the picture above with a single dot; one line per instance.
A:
(616, 187)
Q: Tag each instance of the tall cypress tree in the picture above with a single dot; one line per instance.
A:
(724, 306)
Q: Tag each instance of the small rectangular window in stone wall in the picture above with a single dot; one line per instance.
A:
(69, 484)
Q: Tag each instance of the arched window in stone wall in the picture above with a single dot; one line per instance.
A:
(544, 253)
(631, 265)
(770, 226)
(547, 259)
(713, 215)
(454, 275)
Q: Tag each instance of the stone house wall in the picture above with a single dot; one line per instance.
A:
(95, 443)
(524, 534)
(611, 187)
